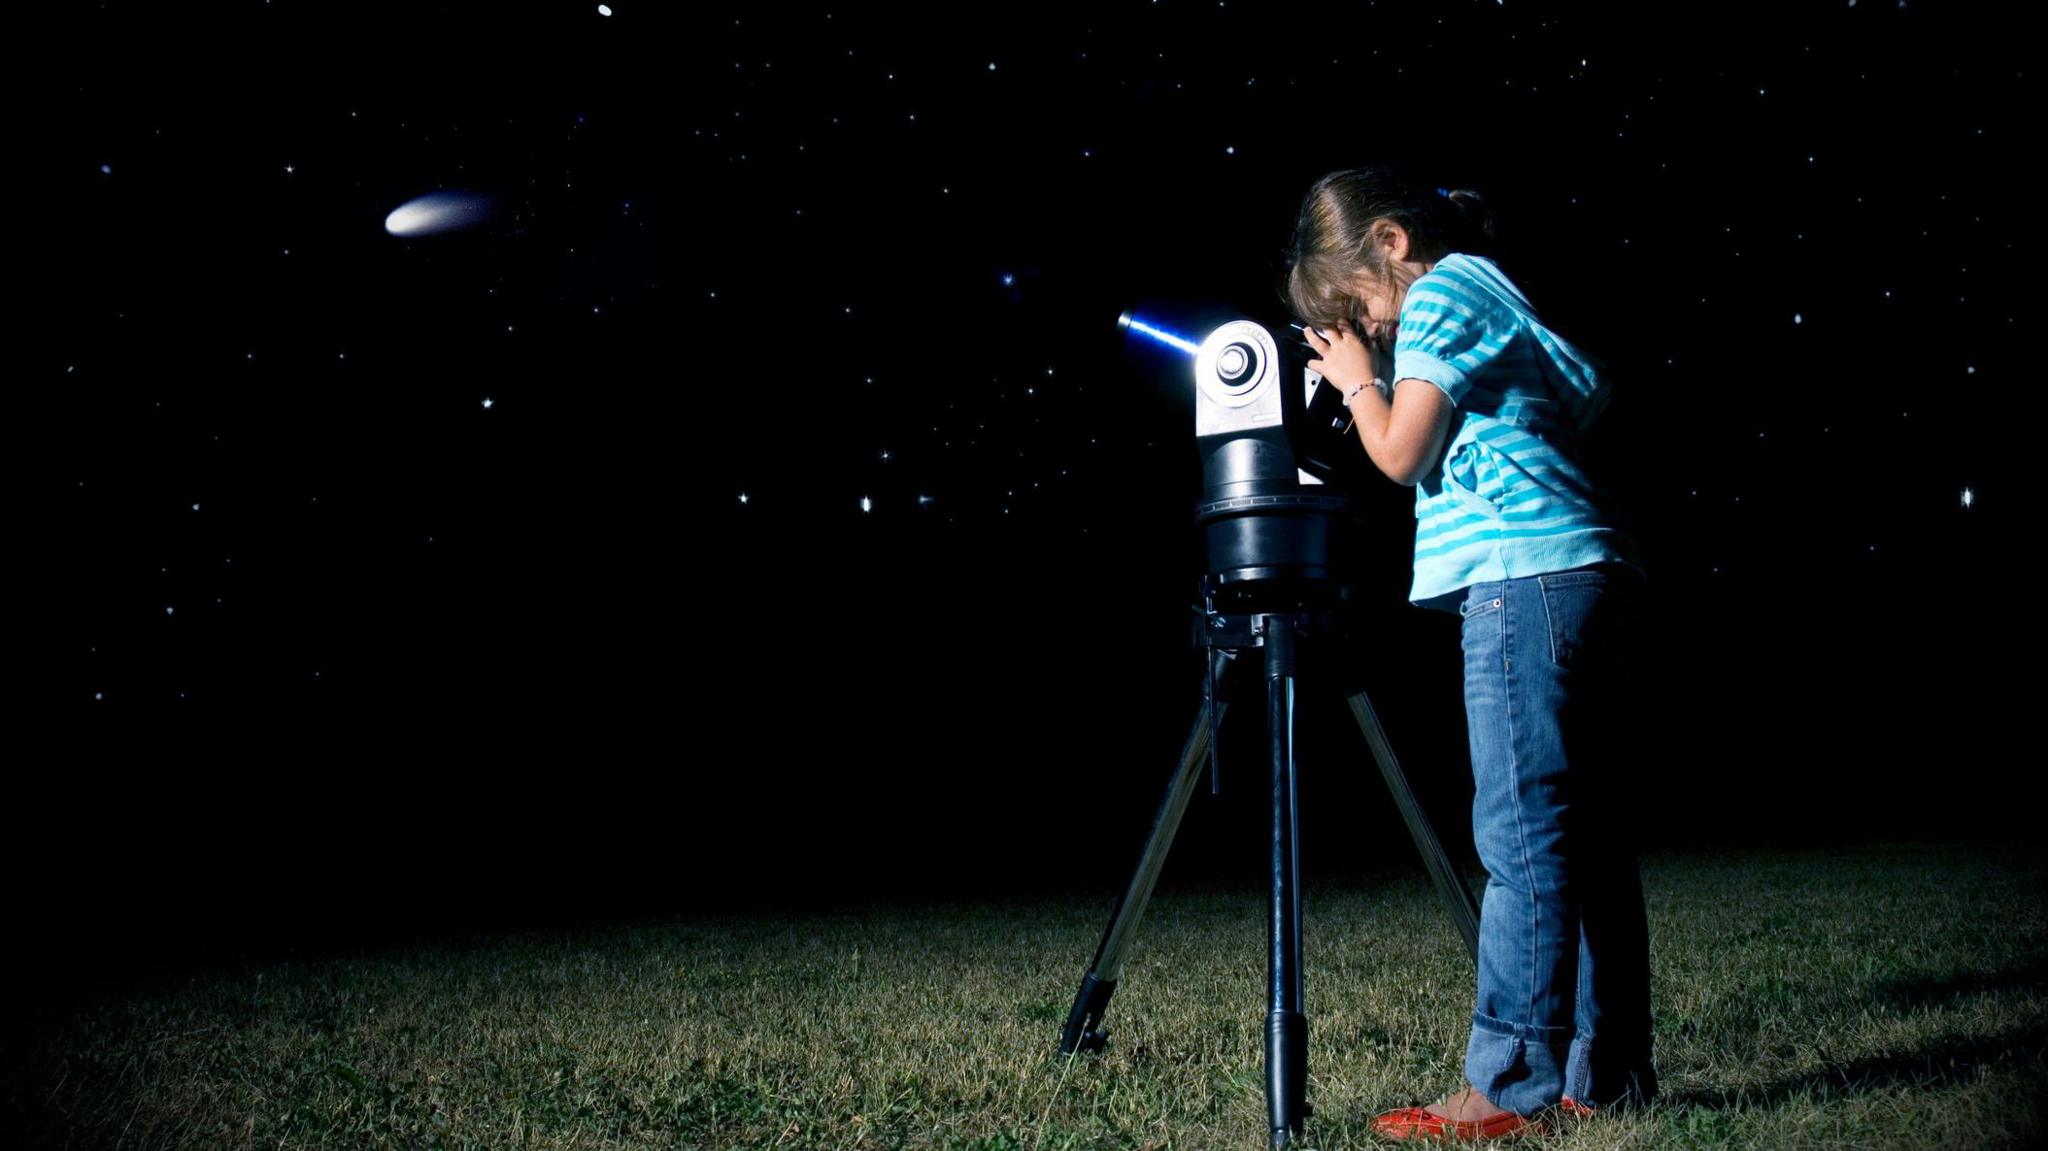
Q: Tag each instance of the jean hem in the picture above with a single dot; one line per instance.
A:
(1517, 1066)
(1521, 1030)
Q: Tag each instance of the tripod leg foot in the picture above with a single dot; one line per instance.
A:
(1286, 1073)
(1083, 1031)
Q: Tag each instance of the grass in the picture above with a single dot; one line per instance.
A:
(1880, 997)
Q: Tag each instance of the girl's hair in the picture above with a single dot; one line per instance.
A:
(1334, 242)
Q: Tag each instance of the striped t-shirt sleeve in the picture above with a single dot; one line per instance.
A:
(1443, 337)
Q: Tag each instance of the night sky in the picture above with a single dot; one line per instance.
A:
(762, 504)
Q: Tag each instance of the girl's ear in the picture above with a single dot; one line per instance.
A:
(1393, 240)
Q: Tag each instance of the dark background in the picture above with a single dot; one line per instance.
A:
(625, 641)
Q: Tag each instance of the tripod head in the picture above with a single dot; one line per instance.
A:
(1277, 458)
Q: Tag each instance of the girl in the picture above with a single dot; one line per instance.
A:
(1483, 419)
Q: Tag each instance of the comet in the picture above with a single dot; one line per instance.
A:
(438, 212)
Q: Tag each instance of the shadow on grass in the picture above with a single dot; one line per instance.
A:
(2030, 974)
(1951, 1061)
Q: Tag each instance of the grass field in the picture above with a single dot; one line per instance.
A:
(1871, 997)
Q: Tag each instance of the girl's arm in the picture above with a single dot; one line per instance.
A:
(1405, 437)
(1402, 437)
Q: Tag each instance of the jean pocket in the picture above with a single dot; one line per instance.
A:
(1474, 608)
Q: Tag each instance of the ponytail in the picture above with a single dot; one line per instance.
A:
(1471, 219)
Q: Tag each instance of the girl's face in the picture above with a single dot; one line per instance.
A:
(1381, 310)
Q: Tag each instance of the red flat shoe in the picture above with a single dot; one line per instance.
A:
(1417, 1123)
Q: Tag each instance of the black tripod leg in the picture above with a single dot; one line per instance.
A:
(1450, 886)
(1287, 1029)
(1286, 1026)
(1083, 1031)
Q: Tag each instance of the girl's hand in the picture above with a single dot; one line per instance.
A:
(1348, 362)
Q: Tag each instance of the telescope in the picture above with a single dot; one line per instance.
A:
(1278, 457)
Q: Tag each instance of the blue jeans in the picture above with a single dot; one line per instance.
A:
(1564, 956)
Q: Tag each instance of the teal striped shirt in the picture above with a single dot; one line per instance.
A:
(1510, 498)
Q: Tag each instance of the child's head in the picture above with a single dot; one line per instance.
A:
(1366, 233)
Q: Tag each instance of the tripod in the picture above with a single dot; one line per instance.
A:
(1279, 634)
